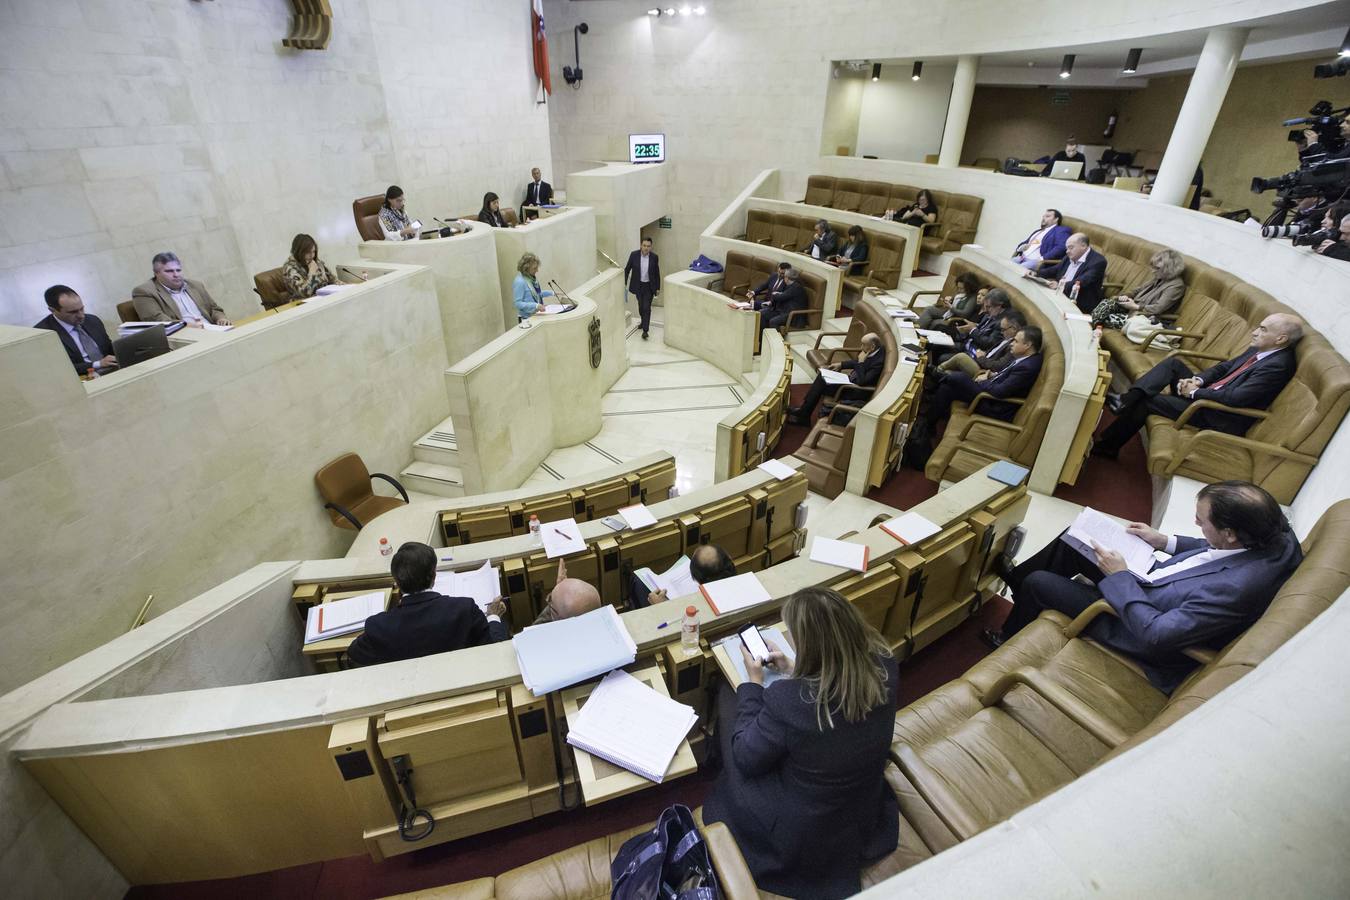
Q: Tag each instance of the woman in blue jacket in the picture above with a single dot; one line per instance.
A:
(802, 787)
(529, 298)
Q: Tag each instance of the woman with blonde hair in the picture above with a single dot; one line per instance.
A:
(802, 787)
(1154, 298)
(529, 299)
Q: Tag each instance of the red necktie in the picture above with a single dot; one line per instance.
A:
(1233, 374)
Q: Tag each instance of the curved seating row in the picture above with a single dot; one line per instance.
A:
(752, 517)
(1051, 704)
(487, 517)
(749, 433)
(1213, 323)
(958, 214)
(787, 231)
(971, 440)
(827, 454)
(742, 272)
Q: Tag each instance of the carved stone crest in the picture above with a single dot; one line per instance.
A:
(594, 329)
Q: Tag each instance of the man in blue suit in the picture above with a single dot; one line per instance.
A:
(1014, 381)
(1045, 243)
(1251, 380)
(1082, 266)
(1205, 594)
(643, 275)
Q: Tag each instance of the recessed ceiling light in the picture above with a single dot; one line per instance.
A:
(1066, 68)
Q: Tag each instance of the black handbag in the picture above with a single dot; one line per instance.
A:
(670, 862)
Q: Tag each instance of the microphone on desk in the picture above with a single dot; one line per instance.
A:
(447, 229)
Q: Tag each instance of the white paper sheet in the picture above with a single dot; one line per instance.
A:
(844, 554)
(638, 516)
(561, 538)
(910, 528)
(777, 469)
(209, 326)
(898, 312)
(1093, 526)
(552, 308)
(561, 653)
(675, 581)
(482, 584)
(631, 725)
(737, 592)
(330, 289)
(937, 338)
(832, 377)
(329, 620)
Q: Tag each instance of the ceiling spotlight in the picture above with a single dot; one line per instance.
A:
(654, 12)
(1132, 61)
(1066, 69)
(670, 10)
(876, 71)
(918, 70)
(700, 10)
(1345, 45)
(685, 10)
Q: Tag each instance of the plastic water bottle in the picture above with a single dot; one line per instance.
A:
(689, 630)
(534, 529)
(385, 549)
(1073, 293)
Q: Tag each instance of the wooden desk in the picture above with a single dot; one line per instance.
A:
(327, 653)
(600, 779)
(723, 648)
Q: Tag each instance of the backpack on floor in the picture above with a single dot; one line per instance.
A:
(670, 862)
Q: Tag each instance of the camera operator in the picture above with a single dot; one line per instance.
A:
(1314, 146)
(1338, 247)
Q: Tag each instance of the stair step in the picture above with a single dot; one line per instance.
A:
(431, 478)
(438, 446)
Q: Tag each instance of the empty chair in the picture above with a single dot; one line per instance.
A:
(736, 276)
(875, 197)
(847, 194)
(786, 227)
(366, 211)
(126, 311)
(344, 485)
(819, 190)
(759, 226)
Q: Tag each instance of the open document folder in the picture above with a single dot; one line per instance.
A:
(557, 654)
(482, 584)
(1092, 526)
(675, 581)
(632, 726)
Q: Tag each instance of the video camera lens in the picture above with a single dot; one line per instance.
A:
(1280, 231)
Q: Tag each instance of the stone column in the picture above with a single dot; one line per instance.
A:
(958, 111)
(1209, 85)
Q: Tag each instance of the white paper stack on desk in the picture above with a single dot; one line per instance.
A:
(561, 538)
(330, 620)
(558, 654)
(631, 725)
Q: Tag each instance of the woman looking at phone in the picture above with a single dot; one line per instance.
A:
(802, 785)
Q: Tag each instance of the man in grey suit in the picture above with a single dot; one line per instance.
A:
(1206, 593)
(169, 297)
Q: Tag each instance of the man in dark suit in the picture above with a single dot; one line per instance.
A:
(792, 296)
(1206, 593)
(642, 274)
(1251, 380)
(1014, 381)
(823, 243)
(985, 332)
(1082, 266)
(864, 372)
(83, 335)
(424, 622)
(537, 193)
(774, 283)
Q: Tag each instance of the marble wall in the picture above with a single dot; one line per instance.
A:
(133, 126)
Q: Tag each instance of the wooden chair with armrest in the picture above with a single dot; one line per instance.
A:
(271, 288)
(345, 486)
(126, 311)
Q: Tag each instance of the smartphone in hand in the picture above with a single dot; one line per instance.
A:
(754, 643)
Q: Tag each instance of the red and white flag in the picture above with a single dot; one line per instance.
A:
(540, 45)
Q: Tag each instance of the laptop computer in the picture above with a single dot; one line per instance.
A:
(140, 346)
(1068, 171)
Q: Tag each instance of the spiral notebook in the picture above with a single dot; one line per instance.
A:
(631, 725)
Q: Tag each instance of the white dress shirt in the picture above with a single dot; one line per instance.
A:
(1033, 247)
(1168, 569)
(643, 261)
(1072, 270)
(187, 307)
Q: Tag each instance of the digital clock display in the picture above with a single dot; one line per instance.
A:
(646, 148)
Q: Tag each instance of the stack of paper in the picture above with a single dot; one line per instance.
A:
(772, 635)
(557, 654)
(675, 581)
(330, 289)
(780, 470)
(737, 592)
(561, 538)
(330, 620)
(937, 338)
(631, 725)
(554, 308)
(1091, 526)
(832, 377)
(208, 326)
(839, 553)
(638, 516)
(910, 528)
(899, 312)
(482, 584)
